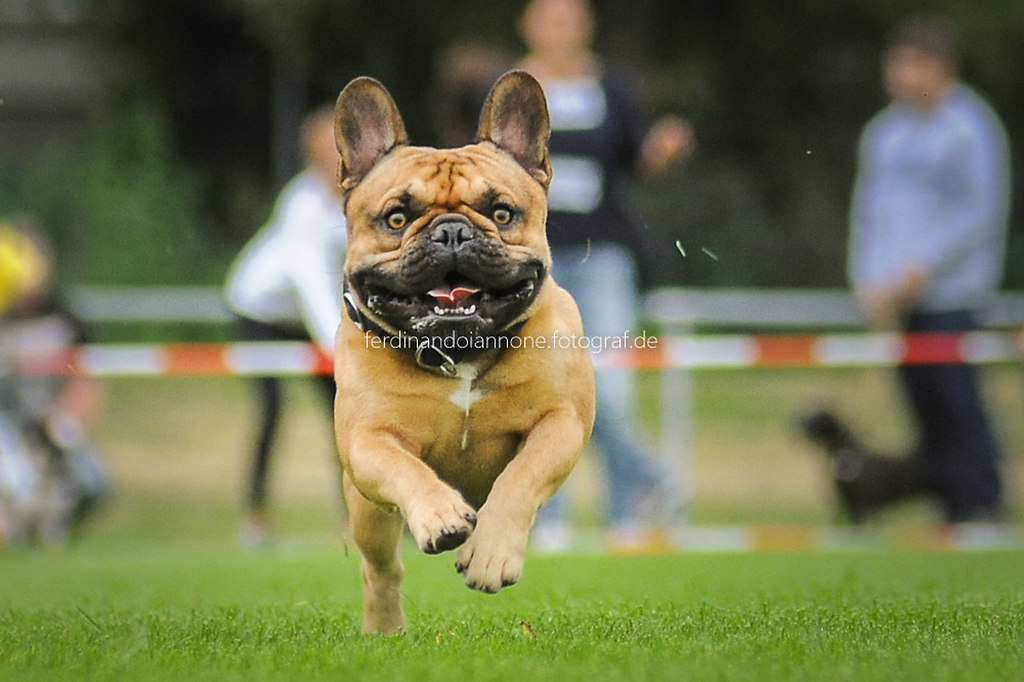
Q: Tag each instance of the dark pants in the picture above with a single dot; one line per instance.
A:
(956, 442)
(269, 395)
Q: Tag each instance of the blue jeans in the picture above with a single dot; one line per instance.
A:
(956, 442)
(602, 279)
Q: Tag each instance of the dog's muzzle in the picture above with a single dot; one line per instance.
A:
(451, 232)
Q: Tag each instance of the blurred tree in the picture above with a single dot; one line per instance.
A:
(777, 90)
(206, 74)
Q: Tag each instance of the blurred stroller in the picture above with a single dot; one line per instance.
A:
(50, 476)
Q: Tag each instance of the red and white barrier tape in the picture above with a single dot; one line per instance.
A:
(670, 352)
(821, 350)
(184, 359)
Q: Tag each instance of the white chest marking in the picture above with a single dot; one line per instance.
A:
(464, 394)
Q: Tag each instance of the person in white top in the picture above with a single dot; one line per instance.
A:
(286, 285)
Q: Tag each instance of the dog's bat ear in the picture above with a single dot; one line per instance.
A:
(367, 126)
(515, 118)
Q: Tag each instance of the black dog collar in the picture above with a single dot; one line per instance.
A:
(427, 355)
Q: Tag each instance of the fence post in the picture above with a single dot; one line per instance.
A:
(677, 426)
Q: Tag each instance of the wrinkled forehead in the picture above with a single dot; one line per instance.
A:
(448, 178)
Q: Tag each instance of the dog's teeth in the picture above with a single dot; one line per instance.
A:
(459, 310)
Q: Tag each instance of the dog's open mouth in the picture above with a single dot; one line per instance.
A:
(456, 303)
(457, 299)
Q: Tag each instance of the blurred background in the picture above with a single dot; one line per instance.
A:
(149, 139)
(156, 133)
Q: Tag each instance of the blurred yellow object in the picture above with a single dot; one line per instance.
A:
(22, 267)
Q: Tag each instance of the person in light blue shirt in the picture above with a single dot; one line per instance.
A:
(930, 206)
(928, 230)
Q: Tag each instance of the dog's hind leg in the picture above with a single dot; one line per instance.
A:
(377, 533)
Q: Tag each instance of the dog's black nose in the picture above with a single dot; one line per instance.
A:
(452, 235)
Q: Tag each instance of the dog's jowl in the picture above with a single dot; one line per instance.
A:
(463, 401)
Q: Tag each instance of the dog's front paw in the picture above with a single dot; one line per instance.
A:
(442, 525)
(490, 561)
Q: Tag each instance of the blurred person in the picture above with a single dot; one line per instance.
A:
(599, 139)
(928, 234)
(51, 478)
(285, 285)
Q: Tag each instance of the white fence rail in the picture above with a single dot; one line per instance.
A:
(671, 307)
(150, 304)
(677, 311)
(816, 309)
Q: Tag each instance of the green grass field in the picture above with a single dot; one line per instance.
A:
(158, 590)
(151, 612)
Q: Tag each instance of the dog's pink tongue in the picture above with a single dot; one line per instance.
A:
(450, 294)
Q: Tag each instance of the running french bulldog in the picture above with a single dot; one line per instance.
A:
(463, 402)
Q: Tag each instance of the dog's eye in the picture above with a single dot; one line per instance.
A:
(502, 215)
(396, 219)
